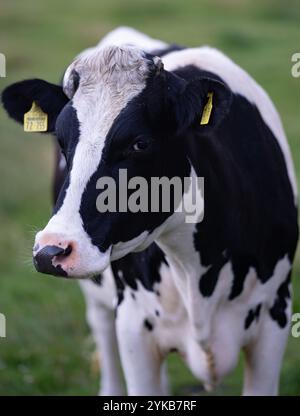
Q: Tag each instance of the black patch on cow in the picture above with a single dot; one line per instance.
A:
(97, 280)
(148, 325)
(67, 133)
(133, 296)
(140, 267)
(278, 310)
(157, 313)
(62, 193)
(240, 268)
(249, 209)
(253, 314)
(59, 175)
(209, 279)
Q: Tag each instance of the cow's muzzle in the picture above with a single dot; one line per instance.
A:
(46, 260)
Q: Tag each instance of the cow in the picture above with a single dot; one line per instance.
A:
(123, 108)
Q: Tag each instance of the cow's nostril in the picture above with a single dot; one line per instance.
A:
(68, 250)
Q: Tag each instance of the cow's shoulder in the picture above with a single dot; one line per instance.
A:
(249, 178)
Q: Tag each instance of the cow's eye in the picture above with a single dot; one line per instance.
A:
(140, 145)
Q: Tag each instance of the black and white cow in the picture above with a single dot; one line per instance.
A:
(128, 110)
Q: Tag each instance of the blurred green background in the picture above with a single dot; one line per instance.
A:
(48, 347)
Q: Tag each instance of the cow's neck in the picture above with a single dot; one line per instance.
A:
(184, 261)
(177, 243)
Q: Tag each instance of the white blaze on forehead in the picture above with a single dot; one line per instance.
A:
(109, 79)
(114, 65)
(124, 36)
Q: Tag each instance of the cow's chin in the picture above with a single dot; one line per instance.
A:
(88, 266)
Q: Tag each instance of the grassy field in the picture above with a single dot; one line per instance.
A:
(48, 347)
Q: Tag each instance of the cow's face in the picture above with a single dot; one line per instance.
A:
(125, 113)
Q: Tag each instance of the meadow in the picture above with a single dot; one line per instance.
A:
(48, 347)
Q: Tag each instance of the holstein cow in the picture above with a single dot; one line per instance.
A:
(129, 110)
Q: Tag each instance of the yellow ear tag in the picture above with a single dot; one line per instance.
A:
(207, 109)
(35, 119)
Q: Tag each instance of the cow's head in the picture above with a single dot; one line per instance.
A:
(118, 109)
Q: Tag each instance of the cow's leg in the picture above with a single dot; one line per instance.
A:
(102, 323)
(140, 356)
(264, 357)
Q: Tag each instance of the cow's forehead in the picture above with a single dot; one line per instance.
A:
(113, 68)
(108, 79)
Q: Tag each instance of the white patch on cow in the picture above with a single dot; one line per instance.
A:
(109, 79)
(122, 36)
(240, 82)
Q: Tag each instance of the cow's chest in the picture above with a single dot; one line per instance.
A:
(165, 320)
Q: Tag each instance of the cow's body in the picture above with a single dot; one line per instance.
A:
(231, 298)
(225, 283)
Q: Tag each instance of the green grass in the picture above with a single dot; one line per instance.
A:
(48, 347)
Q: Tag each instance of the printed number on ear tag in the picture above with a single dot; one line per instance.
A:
(35, 120)
(207, 109)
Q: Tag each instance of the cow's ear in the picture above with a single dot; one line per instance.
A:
(202, 102)
(18, 98)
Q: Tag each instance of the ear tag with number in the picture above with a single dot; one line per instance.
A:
(35, 120)
(207, 109)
